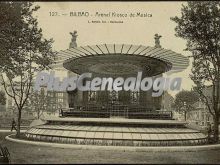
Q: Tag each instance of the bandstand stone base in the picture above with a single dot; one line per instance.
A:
(115, 132)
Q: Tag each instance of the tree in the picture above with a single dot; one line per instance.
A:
(168, 101)
(199, 25)
(184, 101)
(39, 101)
(2, 98)
(23, 51)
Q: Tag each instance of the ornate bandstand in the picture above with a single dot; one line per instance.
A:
(118, 118)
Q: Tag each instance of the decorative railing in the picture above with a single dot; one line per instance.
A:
(126, 111)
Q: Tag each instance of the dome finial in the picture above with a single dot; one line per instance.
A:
(157, 40)
(73, 43)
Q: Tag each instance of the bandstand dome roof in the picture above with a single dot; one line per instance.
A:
(122, 60)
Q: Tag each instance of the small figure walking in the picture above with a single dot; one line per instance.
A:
(13, 125)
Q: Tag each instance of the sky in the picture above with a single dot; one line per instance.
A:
(133, 30)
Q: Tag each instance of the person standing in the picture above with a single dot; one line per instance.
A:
(13, 125)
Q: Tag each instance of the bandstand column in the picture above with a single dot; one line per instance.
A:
(146, 96)
(157, 101)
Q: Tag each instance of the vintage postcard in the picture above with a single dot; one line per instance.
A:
(123, 82)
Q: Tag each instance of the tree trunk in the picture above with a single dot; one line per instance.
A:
(215, 128)
(19, 123)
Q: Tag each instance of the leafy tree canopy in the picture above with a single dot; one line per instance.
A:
(200, 26)
(21, 40)
(185, 98)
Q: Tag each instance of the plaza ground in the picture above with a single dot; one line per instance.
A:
(23, 153)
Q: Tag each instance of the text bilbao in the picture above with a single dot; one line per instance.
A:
(83, 83)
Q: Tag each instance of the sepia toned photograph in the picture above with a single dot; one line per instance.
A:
(115, 82)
